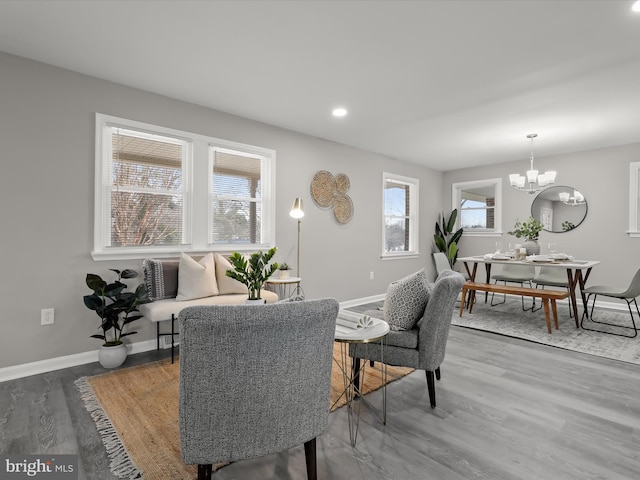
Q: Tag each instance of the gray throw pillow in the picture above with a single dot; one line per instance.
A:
(406, 300)
(160, 278)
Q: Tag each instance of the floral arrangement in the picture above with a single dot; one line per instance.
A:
(529, 229)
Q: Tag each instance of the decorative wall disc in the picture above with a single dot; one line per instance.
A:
(343, 208)
(342, 183)
(323, 188)
(329, 191)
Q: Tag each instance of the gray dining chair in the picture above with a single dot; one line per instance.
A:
(515, 274)
(442, 262)
(628, 295)
(553, 277)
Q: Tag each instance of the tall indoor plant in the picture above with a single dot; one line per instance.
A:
(116, 308)
(446, 239)
(253, 272)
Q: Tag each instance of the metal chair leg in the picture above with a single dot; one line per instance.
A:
(633, 323)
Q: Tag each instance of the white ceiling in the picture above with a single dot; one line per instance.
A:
(447, 84)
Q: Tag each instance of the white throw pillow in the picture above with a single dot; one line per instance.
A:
(406, 300)
(196, 279)
(227, 285)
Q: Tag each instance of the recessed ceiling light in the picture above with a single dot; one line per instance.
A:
(339, 112)
(636, 6)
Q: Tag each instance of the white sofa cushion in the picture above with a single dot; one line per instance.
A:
(161, 310)
(227, 285)
(196, 279)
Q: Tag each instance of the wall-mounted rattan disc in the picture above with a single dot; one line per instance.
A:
(342, 183)
(323, 188)
(343, 208)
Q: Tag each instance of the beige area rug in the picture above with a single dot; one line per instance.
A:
(509, 319)
(136, 413)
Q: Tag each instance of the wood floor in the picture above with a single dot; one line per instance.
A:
(506, 409)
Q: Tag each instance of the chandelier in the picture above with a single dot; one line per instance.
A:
(576, 200)
(532, 182)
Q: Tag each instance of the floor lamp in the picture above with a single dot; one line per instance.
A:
(297, 211)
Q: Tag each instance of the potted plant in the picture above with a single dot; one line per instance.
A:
(253, 272)
(283, 271)
(446, 239)
(530, 230)
(116, 308)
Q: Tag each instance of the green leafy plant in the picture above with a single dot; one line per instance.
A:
(254, 272)
(446, 239)
(116, 307)
(529, 229)
(284, 266)
(567, 225)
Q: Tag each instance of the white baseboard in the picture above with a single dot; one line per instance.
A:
(362, 301)
(58, 363)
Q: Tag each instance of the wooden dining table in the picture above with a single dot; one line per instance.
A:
(578, 272)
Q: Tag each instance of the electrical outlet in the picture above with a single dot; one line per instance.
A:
(47, 316)
(370, 275)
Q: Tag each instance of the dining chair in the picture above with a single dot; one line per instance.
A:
(553, 277)
(628, 295)
(442, 262)
(515, 274)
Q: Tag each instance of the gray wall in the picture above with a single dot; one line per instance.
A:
(603, 177)
(46, 203)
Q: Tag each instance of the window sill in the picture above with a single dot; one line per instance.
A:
(634, 234)
(171, 252)
(469, 233)
(397, 256)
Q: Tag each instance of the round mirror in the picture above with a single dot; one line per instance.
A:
(559, 209)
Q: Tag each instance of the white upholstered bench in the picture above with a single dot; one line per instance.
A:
(161, 281)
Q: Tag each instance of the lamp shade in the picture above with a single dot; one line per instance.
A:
(297, 211)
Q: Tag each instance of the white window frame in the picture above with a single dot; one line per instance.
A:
(414, 227)
(196, 183)
(267, 198)
(456, 197)
(634, 200)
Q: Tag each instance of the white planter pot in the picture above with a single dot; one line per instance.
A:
(112, 357)
(260, 301)
(283, 274)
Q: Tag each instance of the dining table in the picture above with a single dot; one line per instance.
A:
(578, 272)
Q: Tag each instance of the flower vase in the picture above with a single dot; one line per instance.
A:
(532, 246)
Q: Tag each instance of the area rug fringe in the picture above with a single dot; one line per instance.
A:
(121, 464)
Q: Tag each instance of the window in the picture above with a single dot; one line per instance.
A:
(634, 199)
(479, 205)
(400, 216)
(154, 195)
(236, 200)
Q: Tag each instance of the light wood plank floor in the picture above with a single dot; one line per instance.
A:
(507, 409)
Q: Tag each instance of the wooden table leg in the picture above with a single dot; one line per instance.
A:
(573, 281)
(545, 305)
(472, 278)
(555, 312)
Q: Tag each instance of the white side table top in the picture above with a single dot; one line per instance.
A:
(284, 280)
(375, 331)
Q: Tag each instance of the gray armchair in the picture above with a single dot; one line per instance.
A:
(254, 380)
(422, 347)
